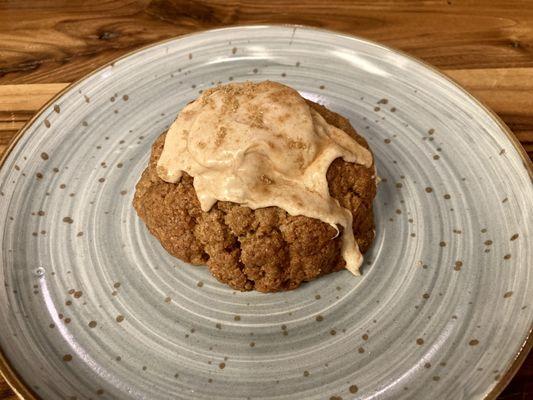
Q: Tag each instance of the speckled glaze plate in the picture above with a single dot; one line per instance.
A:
(91, 306)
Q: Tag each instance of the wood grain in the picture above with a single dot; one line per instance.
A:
(58, 41)
(5, 391)
(486, 46)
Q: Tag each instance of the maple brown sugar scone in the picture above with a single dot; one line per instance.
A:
(268, 189)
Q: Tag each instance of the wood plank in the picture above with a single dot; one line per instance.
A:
(5, 391)
(506, 91)
(55, 41)
(19, 98)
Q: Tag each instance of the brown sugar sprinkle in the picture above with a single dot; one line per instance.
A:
(92, 324)
(67, 358)
(222, 365)
(458, 265)
(473, 342)
(429, 190)
(116, 285)
(266, 180)
(514, 237)
(508, 294)
(71, 291)
(319, 318)
(365, 337)
(488, 242)
(68, 220)
(221, 134)
(507, 257)
(119, 318)
(44, 156)
(420, 341)
(78, 294)
(353, 389)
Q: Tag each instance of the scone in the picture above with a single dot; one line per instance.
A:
(253, 209)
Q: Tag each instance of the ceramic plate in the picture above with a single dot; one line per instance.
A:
(93, 307)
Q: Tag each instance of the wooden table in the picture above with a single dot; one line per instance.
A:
(487, 46)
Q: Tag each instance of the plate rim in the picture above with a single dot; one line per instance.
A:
(23, 390)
